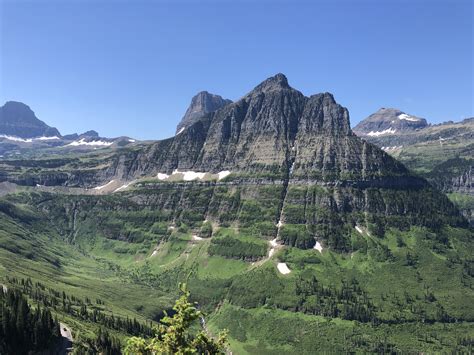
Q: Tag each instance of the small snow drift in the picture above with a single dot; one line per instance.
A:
(283, 268)
(406, 117)
(181, 130)
(318, 247)
(161, 176)
(82, 141)
(273, 244)
(222, 174)
(124, 186)
(381, 133)
(190, 175)
(104, 186)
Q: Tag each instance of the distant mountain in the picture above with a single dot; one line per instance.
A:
(18, 120)
(88, 134)
(201, 104)
(442, 153)
(387, 121)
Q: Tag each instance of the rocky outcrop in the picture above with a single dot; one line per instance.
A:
(18, 120)
(201, 104)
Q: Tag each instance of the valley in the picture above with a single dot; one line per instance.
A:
(290, 232)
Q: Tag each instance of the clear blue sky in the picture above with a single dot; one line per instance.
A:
(131, 67)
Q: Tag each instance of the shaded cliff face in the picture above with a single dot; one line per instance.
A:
(201, 104)
(18, 120)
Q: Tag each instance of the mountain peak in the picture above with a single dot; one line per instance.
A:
(17, 119)
(389, 121)
(201, 104)
(276, 82)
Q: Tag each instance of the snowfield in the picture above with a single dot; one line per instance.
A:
(381, 133)
(27, 140)
(82, 141)
(283, 268)
(192, 175)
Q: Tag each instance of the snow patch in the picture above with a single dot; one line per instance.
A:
(273, 244)
(222, 174)
(27, 140)
(104, 186)
(161, 176)
(181, 130)
(381, 133)
(190, 175)
(406, 117)
(47, 138)
(82, 141)
(131, 140)
(318, 247)
(283, 268)
(124, 186)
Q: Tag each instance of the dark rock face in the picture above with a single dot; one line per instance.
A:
(201, 104)
(17, 119)
(388, 121)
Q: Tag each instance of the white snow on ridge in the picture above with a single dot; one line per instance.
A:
(318, 247)
(406, 117)
(381, 133)
(47, 138)
(27, 140)
(181, 130)
(283, 268)
(392, 148)
(104, 186)
(82, 141)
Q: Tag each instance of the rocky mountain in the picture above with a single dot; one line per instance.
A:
(18, 120)
(300, 147)
(22, 134)
(442, 153)
(201, 104)
(389, 121)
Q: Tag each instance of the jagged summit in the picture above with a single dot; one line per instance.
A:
(201, 104)
(18, 120)
(276, 82)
